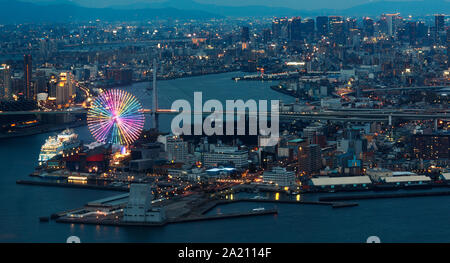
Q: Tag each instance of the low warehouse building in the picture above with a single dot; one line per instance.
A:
(348, 182)
(406, 180)
(397, 178)
(445, 177)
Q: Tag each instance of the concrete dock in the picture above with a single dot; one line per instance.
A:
(377, 196)
(225, 216)
(109, 211)
(73, 185)
(325, 203)
(118, 222)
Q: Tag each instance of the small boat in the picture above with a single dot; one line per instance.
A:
(259, 209)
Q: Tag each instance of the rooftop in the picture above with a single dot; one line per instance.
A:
(409, 178)
(341, 180)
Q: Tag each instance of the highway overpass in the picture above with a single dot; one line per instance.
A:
(341, 115)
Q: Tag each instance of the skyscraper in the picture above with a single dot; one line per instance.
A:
(322, 25)
(295, 29)
(308, 26)
(5, 81)
(27, 75)
(64, 89)
(391, 21)
(439, 26)
(368, 27)
(245, 34)
(412, 32)
(267, 35)
(421, 29)
(279, 27)
(276, 28)
(309, 159)
(439, 22)
(337, 29)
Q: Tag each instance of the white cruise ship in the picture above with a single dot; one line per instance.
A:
(55, 145)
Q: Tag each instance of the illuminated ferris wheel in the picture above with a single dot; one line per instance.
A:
(116, 117)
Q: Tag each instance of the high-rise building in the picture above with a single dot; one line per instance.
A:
(412, 32)
(64, 89)
(439, 22)
(439, 27)
(44, 47)
(52, 85)
(245, 34)
(177, 149)
(279, 28)
(40, 82)
(337, 33)
(295, 29)
(27, 76)
(276, 28)
(421, 29)
(322, 25)
(17, 85)
(309, 159)
(350, 24)
(368, 27)
(5, 81)
(308, 26)
(431, 146)
(332, 19)
(391, 22)
(390, 25)
(267, 35)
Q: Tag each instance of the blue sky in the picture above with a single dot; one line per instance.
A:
(296, 4)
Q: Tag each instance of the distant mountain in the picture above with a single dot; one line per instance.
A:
(373, 8)
(230, 11)
(405, 8)
(12, 11)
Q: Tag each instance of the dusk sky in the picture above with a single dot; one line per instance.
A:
(296, 4)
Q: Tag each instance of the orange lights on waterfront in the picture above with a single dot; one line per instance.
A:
(77, 179)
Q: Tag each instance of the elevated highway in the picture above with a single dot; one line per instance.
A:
(332, 115)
